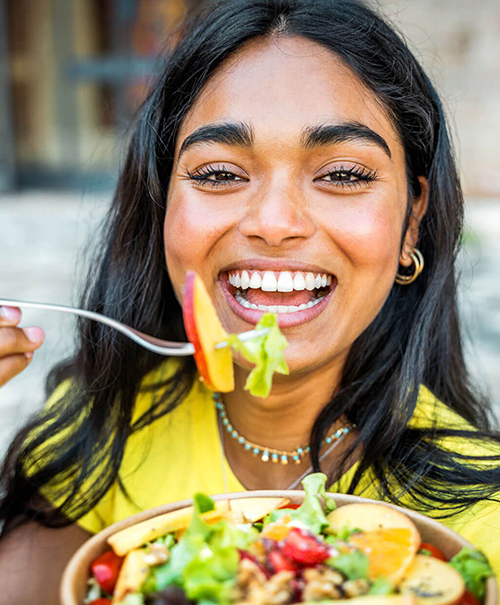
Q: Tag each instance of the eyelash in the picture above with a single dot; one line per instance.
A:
(200, 177)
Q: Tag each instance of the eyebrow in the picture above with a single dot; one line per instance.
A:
(241, 134)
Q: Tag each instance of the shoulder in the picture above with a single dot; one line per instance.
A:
(459, 435)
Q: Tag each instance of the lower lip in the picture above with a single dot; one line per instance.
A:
(285, 320)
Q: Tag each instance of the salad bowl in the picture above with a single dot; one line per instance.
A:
(77, 572)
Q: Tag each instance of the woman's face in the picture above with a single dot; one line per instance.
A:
(292, 196)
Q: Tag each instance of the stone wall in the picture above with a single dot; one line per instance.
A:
(458, 41)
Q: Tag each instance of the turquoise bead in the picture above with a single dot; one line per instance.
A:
(241, 440)
(234, 434)
(284, 459)
(256, 450)
(225, 421)
(300, 450)
(248, 446)
(229, 428)
(328, 440)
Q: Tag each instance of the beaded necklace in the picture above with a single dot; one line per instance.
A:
(268, 453)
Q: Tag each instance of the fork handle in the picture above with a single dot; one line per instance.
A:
(178, 349)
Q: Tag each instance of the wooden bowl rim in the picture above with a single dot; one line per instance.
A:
(73, 568)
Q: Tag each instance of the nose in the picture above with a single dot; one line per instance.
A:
(277, 213)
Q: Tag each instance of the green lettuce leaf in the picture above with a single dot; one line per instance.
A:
(353, 565)
(133, 598)
(310, 512)
(211, 574)
(185, 551)
(266, 352)
(205, 561)
(474, 568)
(381, 586)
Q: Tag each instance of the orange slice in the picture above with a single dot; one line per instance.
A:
(390, 551)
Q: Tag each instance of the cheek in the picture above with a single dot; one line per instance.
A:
(191, 230)
(370, 238)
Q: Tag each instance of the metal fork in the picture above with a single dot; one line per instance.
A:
(157, 345)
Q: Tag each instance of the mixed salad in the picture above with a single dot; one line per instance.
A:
(267, 551)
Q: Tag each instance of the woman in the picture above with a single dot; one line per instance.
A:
(283, 139)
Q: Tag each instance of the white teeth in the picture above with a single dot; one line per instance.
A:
(299, 283)
(255, 281)
(275, 308)
(269, 282)
(310, 283)
(285, 282)
(245, 280)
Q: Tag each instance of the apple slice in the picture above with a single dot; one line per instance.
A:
(204, 331)
(255, 509)
(136, 535)
(132, 575)
(433, 582)
(371, 517)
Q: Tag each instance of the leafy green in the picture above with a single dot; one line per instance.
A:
(205, 562)
(182, 553)
(211, 574)
(381, 586)
(353, 565)
(266, 352)
(311, 512)
(346, 532)
(424, 551)
(474, 568)
(133, 598)
(168, 540)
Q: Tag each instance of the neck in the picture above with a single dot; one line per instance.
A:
(282, 421)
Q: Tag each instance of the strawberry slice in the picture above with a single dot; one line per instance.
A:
(279, 562)
(304, 548)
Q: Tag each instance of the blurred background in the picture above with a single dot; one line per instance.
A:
(72, 74)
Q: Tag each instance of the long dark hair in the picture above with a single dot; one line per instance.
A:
(74, 448)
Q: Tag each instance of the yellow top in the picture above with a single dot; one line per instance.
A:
(181, 454)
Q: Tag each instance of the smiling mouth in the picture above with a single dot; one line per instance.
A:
(282, 292)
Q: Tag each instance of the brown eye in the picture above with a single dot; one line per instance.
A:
(352, 177)
(221, 177)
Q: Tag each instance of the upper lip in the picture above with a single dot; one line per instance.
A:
(268, 264)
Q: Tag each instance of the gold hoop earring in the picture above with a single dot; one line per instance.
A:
(418, 261)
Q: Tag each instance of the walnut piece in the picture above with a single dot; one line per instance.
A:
(355, 588)
(322, 583)
(253, 588)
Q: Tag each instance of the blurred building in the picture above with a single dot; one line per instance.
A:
(72, 74)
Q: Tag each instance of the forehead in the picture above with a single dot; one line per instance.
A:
(280, 85)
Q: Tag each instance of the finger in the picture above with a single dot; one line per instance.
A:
(10, 316)
(13, 365)
(17, 340)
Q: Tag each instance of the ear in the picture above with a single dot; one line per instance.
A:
(418, 210)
